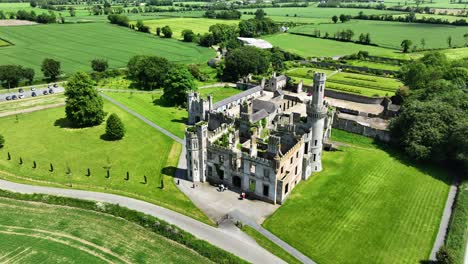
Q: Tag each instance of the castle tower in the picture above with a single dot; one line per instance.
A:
(316, 113)
(196, 143)
(198, 108)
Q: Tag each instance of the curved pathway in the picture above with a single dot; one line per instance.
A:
(220, 237)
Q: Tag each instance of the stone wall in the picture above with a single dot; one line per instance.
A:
(361, 129)
(349, 96)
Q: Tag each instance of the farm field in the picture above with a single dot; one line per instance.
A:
(373, 65)
(197, 25)
(370, 205)
(313, 11)
(391, 34)
(316, 47)
(75, 45)
(32, 232)
(44, 137)
(171, 118)
(361, 84)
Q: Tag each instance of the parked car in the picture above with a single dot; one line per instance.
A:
(33, 88)
(55, 85)
(33, 94)
(21, 90)
(51, 91)
(21, 96)
(45, 92)
(8, 98)
(14, 97)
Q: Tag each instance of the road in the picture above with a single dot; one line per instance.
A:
(221, 237)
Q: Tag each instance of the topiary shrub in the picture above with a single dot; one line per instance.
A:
(2, 141)
(115, 129)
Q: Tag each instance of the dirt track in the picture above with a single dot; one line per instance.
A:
(14, 22)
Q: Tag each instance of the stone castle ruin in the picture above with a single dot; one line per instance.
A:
(262, 141)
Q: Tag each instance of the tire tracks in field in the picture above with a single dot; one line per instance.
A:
(61, 238)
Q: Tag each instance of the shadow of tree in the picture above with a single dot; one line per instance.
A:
(64, 123)
(175, 172)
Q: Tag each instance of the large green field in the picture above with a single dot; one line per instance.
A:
(170, 118)
(75, 45)
(45, 137)
(368, 205)
(391, 34)
(313, 11)
(316, 47)
(32, 232)
(197, 25)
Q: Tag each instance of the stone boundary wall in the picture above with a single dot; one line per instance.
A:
(324, 64)
(358, 128)
(348, 96)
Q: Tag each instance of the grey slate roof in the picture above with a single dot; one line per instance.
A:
(258, 105)
(237, 97)
(257, 116)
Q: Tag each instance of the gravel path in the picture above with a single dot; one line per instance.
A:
(32, 109)
(444, 222)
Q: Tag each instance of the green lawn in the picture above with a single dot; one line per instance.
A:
(4, 43)
(44, 137)
(197, 25)
(39, 233)
(75, 45)
(391, 34)
(373, 65)
(316, 47)
(171, 118)
(368, 205)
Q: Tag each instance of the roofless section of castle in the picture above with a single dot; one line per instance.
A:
(262, 141)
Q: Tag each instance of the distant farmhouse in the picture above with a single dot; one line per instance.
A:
(262, 141)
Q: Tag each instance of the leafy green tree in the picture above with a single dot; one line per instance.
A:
(444, 256)
(50, 68)
(246, 28)
(167, 31)
(11, 75)
(449, 41)
(188, 35)
(244, 60)
(148, 71)
(223, 32)
(2, 141)
(405, 45)
(28, 74)
(158, 31)
(115, 129)
(178, 83)
(99, 65)
(83, 106)
(206, 40)
(142, 27)
(260, 14)
(335, 19)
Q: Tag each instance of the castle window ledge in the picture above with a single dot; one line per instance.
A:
(285, 176)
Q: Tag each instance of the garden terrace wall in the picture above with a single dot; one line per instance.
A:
(323, 64)
(356, 127)
(348, 96)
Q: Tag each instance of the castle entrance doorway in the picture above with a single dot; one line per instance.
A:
(236, 181)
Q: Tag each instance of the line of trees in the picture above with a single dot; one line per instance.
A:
(225, 14)
(411, 18)
(343, 18)
(43, 18)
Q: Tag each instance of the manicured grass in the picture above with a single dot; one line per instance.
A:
(45, 137)
(368, 205)
(171, 118)
(373, 65)
(315, 47)
(197, 25)
(457, 235)
(391, 34)
(4, 43)
(32, 232)
(270, 246)
(75, 45)
(8, 106)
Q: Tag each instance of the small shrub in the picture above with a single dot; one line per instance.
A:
(21, 161)
(115, 129)
(2, 141)
(34, 165)
(9, 156)
(51, 167)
